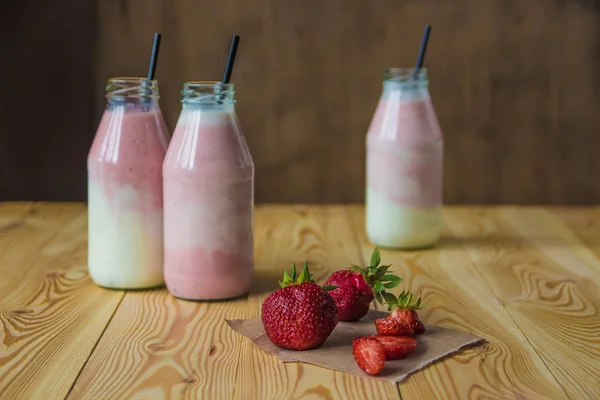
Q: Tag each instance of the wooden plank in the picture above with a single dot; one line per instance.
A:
(583, 225)
(547, 280)
(321, 236)
(25, 226)
(159, 347)
(51, 314)
(458, 298)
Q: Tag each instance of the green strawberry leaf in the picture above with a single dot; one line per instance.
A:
(294, 272)
(378, 287)
(286, 280)
(375, 257)
(392, 284)
(378, 297)
(372, 271)
(390, 299)
(329, 287)
(381, 270)
(391, 278)
(305, 275)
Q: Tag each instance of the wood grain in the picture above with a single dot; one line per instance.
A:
(51, 315)
(525, 278)
(548, 282)
(458, 298)
(160, 347)
(321, 236)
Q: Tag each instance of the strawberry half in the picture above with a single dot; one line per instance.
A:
(403, 319)
(396, 347)
(369, 354)
(358, 286)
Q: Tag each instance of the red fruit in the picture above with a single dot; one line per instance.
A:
(300, 315)
(357, 287)
(393, 326)
(396, 347)
(369, 354)
(353, 296)
(410, 319)
(403, 320)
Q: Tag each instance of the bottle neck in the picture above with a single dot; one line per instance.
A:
(132, 94)
(405, 85)
(208, 96)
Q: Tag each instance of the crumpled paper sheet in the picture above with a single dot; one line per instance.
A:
(336, 352)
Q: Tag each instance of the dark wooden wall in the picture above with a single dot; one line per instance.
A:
(515, 83)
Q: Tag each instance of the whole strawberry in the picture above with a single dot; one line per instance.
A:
(300, 315)
(403, 319)
(358, 286)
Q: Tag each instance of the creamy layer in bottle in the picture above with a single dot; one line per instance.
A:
(404, 165)
(208, 198)
(125, 213)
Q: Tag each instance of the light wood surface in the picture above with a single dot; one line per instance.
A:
(525, 278)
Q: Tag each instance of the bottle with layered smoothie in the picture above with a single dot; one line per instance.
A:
(404, 164)
(125, 203)
(208, 198)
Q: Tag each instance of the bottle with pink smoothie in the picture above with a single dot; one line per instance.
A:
(208, 198)
(404, 164)
(125, 204)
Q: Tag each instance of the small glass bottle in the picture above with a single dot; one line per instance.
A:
(125, 209)
(404, 164)
(209, 198)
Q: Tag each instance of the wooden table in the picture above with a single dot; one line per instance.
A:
(525, 278)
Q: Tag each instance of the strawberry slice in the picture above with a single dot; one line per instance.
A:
(396, 347)
(369, 354)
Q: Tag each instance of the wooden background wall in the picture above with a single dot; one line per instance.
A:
(515, 83)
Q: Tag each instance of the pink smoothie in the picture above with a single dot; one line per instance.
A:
(208, 203)
(125, 221)
(128, 151)
(404, 167)
(404, 145)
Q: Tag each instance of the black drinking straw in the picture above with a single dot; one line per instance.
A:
(231, 58)
(423, 48)
(154, 56)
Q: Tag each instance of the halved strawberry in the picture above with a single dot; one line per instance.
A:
(396, 347)
(369, 354)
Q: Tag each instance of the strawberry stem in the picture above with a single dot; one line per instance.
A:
(304, 277)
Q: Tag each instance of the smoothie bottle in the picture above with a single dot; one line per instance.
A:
(209, 197)
(404, 164)
(125, 210)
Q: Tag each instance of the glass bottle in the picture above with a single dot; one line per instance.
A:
(404, 164)
(209, 198)
(125, 209)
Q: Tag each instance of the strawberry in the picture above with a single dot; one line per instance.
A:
(403, 319)
(358, 286)
(369, 354)
(396, 347)
(300, 315)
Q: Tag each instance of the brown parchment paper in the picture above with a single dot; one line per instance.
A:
(336, 352)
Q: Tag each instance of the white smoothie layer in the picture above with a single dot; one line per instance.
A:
(125, 248)
(390, 224)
